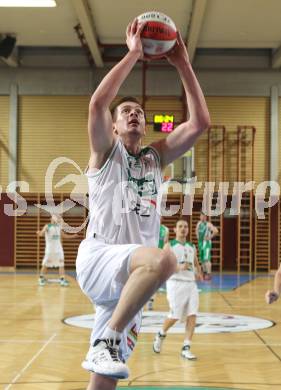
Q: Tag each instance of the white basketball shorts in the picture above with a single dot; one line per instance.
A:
(183, 298)
(53, 259)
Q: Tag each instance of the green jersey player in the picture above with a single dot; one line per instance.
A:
(205, 231)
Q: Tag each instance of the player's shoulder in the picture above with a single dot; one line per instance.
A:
(190, 244)
(173, 242)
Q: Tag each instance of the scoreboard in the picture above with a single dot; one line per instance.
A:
(163, 123)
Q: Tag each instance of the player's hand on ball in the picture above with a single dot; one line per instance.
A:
(271, 296)
(133, 39)
(179, 53)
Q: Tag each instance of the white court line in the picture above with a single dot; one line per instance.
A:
(210, 344)
(30, 362)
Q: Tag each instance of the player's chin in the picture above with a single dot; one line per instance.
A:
(136, 130)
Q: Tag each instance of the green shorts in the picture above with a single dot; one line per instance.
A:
(204, 248)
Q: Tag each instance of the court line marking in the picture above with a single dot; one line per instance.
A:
(68, 342)
(267, 346)
(225, 299)
(14, 380)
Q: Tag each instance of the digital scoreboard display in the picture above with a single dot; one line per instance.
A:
(163, 123)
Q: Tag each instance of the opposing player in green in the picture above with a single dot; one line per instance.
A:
(205, 231)
(182, 292)
(163, 239)
(163, 236)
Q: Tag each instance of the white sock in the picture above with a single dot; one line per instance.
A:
(111, 334)
(162, 333)
(186, 343)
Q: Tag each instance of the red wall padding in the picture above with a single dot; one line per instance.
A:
(7, 236)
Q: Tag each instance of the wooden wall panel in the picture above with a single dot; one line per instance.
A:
(52, 127)
(234, 111)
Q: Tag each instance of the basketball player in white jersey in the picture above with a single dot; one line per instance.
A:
(162, 240)
(118, 265)
(273, 295)
(54, 255)
(182, 292)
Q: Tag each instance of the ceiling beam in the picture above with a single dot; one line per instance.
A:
(276, 58)
(199, 7)
(86, 21)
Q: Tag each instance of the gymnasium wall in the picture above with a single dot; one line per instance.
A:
(52, 127)
(56, 126)
(4, 140)
(232, 95)
(160, 81)
(231, 112)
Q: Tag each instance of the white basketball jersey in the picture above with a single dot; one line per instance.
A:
(185, 253)
(53, 238)
(123, 198)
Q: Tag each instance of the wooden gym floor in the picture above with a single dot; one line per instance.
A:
(38, 351)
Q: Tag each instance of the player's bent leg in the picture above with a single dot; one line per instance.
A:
(149, 268)
(98, 382)
(146, 269)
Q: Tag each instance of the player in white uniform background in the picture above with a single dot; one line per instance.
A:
(119, 266)
(274, 294)
(163, 239)
(54, 255)
(182, 292)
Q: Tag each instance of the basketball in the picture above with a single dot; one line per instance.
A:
(159, 34)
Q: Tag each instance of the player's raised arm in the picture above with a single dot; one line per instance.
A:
(184, 136)
(100, 120)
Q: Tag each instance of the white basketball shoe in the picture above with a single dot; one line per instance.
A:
(42, 281)
(158, 341)
(186, 353)
(103, 358)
